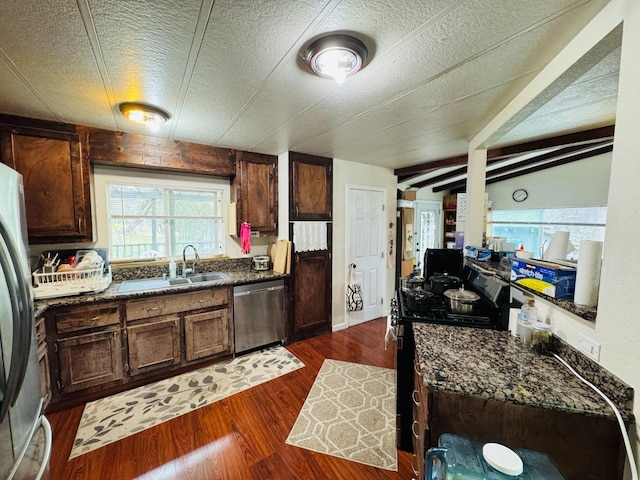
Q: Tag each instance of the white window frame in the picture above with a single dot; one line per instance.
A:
(105, 175)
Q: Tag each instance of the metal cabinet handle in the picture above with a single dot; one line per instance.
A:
(417, 369)
(96, 318)
(152, 309)
(413, 431)
(413, 397)
(414, 458)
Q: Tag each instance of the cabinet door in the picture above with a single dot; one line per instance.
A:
(56, 183)
(90, 359)
(206, 334)
(154, 344)
(312, 294)
(310, 187)
(257, 192)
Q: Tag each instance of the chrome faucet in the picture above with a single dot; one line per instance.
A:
(186, 271)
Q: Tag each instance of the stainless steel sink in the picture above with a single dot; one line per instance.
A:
(207, 277)
(130, 286)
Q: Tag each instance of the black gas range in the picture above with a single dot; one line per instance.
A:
(490, 311)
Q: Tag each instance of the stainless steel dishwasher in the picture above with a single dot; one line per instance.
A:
(258, 314)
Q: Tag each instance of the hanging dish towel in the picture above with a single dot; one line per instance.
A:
(354, 292)
(245, 237)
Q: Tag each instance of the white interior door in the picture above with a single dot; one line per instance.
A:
(366, 220)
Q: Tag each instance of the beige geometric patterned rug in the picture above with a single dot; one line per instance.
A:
(118, 416)
(350, 413)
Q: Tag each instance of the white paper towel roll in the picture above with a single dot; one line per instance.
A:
(588, 274)
(559, 246)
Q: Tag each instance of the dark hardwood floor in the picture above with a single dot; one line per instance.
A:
(241, 437)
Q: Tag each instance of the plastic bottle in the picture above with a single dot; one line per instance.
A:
(172, 269)
(528, 315)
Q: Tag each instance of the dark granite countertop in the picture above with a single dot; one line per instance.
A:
(239, 273)
(494, 365)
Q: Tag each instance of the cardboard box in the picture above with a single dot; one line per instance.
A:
(548, 278)
(406, 268)
(409, 194)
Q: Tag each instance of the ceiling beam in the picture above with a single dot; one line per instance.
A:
(585, 137)
(553, 159)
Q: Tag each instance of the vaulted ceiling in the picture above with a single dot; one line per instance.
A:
(230, 74)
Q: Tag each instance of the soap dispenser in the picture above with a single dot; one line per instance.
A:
(172, 269)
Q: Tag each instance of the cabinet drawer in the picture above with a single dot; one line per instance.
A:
(167, 304)
(83, 318)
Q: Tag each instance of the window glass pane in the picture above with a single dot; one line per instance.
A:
(157, 221)
(534, 229)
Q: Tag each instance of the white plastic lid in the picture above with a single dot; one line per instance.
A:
(541, 326)
(502, 459)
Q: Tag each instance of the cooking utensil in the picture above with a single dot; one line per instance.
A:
(441, 283)
(419, 300)
(461, 300)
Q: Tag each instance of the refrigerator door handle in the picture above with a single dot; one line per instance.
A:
(22, 309)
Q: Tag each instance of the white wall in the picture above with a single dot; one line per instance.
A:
(344, 173)
(584, 183)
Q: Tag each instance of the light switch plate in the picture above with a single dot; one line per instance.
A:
(590, 347)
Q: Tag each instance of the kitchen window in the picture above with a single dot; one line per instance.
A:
(534, 228)
(155, 215)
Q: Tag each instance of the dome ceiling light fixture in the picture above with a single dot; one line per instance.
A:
(148, 115)
(336, 56)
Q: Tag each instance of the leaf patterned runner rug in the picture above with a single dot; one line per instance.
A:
(113, 418)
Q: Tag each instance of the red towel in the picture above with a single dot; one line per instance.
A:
(245, 237)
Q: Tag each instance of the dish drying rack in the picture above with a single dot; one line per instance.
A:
(72, 282)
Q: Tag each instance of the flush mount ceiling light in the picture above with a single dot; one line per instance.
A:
(336, 56)
(144, 114)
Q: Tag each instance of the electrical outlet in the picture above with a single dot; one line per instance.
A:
(590, 347)
(255, 234)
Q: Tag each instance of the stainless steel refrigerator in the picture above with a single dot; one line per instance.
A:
(25, 434)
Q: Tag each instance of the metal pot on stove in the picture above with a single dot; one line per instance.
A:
(461, 300)
(444, 282)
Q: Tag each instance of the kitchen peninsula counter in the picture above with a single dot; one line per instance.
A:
(493, 365)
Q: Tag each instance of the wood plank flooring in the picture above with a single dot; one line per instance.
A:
(241, 437)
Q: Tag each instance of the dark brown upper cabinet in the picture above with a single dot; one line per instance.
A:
(56, 180)
(256, 190)
(310, 187)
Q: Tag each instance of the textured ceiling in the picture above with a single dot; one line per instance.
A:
(230, 72)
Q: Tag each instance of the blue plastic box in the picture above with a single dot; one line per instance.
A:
(548, 278)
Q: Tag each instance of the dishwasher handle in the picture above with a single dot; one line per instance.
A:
(259, 290)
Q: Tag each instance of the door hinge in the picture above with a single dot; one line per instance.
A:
(381, 254)
(383, 207)
(59, 384)
(55, 347)
(382, 301)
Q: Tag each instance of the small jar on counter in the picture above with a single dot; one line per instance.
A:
(541, 337)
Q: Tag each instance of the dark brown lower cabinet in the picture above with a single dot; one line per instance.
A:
(206, 334)
(311, 294)
(583, 446)
(154, 344)
(99, 349)
(88, 360)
